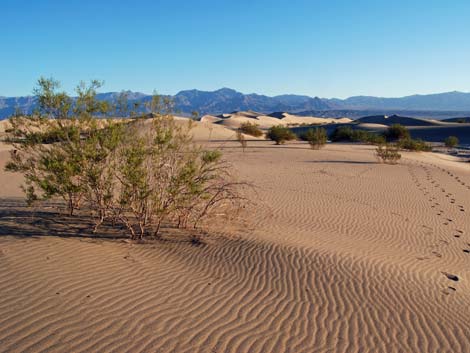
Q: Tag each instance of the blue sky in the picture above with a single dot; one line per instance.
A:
(325, 48)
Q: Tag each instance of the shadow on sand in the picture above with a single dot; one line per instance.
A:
(17, 219)
(341, 162)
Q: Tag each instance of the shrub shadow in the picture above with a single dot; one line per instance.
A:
(341, 162)
(17, 219)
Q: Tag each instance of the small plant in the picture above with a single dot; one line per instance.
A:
(195, 115)
(397, 132)
(280, 134)
(451, 141)
(241, 139)
(342, 133)
(316, 137)
(56, 169)
(346, 133)
(416, 145)
(388, 154)
(251, 129)
(375, 139)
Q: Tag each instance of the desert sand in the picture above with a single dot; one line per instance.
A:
(235, 119)
(337, 253)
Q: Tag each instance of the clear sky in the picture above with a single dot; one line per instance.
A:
(333, 48)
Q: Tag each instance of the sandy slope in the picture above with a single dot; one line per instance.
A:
(402, 120)
(234, 120)
(339, 254)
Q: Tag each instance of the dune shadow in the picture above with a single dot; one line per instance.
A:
(340, 162)
(251, 147)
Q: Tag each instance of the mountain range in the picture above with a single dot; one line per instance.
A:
(450, 104)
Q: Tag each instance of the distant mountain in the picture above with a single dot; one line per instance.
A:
(225, 100)
(113, 96)
(8, 105)
(300, 102)
(450, 101)
(222, 101)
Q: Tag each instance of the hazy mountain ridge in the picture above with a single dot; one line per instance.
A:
(453, 101)
(226, 100)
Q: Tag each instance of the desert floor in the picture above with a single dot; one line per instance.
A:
(337, 254)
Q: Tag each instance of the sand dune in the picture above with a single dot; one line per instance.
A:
(234, 120)
(203, 131)
(296, 119)
(439, 133)
(247, 114)
(458, 120)
(4, 124)
(338, 254)
(432, 133)
(395, 119)
(209, 119)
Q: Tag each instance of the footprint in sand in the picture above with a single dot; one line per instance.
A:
(449, 290)
(451, 276)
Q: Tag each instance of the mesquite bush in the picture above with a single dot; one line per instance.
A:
(142, 172)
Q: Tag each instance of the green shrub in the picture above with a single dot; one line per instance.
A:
(342, 133)
(346, 133)
(138, 174)
(451, 141)
(251, 129)
(414, 145)
(367, 137)
(388, 154)
(376, 139)
(396, 132)
(241, 139)
(280, 134)
(316, 137)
